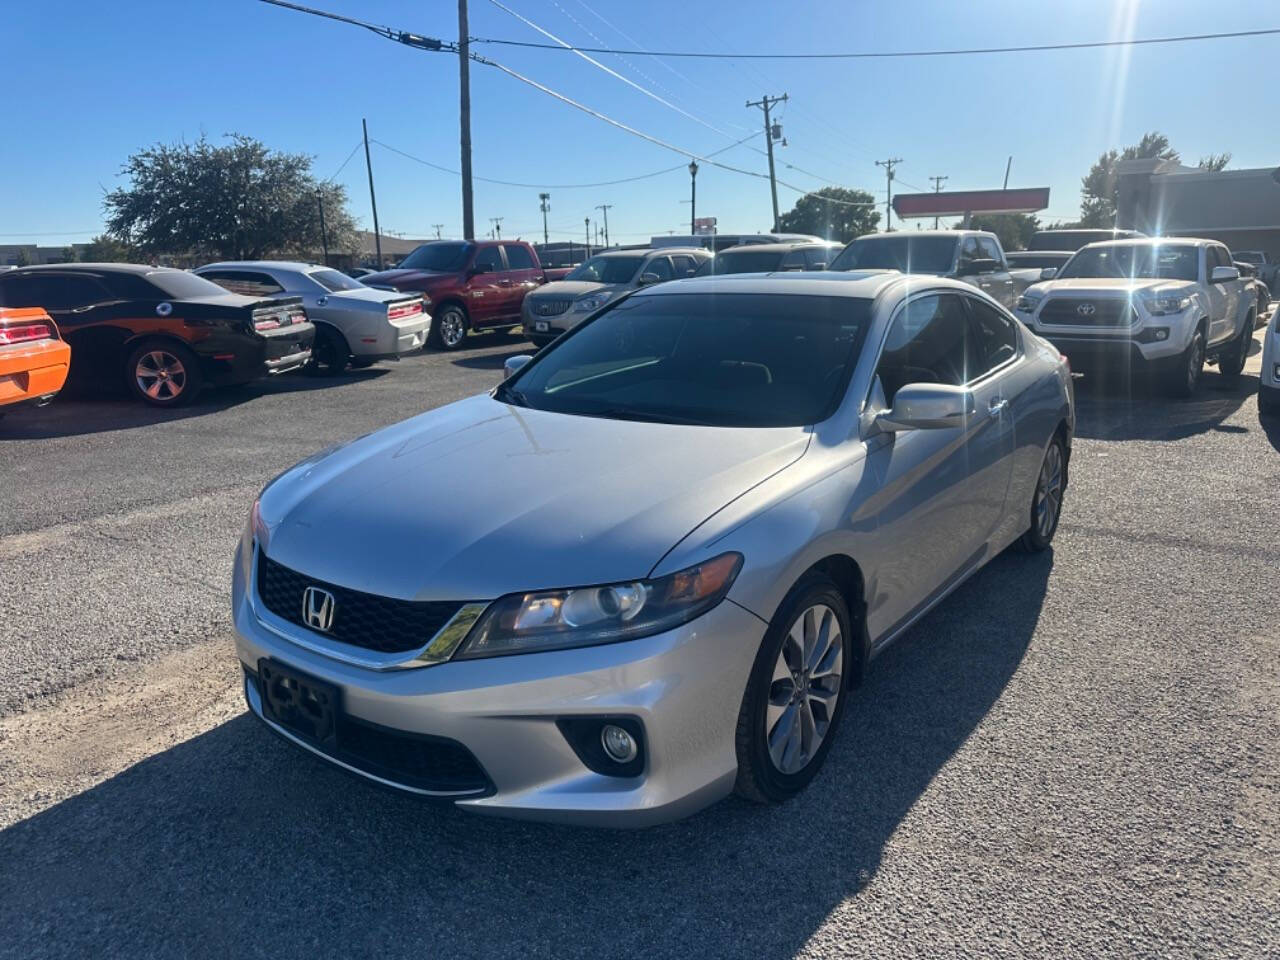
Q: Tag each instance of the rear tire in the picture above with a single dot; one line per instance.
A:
(448, 328)
(163, 374)
(1232, 362)
(1046, 499)
(796, 694)
(1184, 375)
(329, 354)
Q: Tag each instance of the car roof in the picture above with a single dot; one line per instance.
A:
(296, 265)
(866, 284)
(647, 251)
(1148, 242)
(924, 233)
(138, 268)
(783, 247)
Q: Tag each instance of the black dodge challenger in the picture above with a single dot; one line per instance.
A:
(166, 333)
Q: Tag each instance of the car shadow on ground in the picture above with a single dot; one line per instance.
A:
(1120, 407)
(97, 410)
(233, 843)
(515, 343)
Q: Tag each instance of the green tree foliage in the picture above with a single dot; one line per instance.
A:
(1098, 188)
(1214, 162)
(23, 259)
(1013, 229)
(832, 212)
(241, 201)
(105, 249)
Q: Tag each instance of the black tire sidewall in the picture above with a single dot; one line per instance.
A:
(437, 327)
(763, 780)
(1033, 541)
(329, 353)
(1240, 356)
(1178, 383)
(190, 363)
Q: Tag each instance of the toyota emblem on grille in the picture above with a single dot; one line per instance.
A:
(1086, 309)
(317, 609)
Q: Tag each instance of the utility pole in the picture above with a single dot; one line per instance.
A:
(937, 188)
(497, 226)
(769, 136)
(1007, 167)
(605, 207)
(888, 190)
(439, 227)
(586, 225)
(373, 201)
(464, 119)
(693, 197)
(546, 205)
(324, 235)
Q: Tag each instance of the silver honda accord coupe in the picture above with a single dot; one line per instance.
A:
(650, 567)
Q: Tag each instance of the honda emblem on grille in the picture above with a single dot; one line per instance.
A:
(1086, 309)
(317, 609)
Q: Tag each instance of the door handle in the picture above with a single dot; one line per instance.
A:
(997, 405)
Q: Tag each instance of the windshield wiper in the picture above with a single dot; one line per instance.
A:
(511, 395)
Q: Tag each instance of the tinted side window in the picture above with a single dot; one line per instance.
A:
(994, 336)
(518, 257)
(818, 256)
(684, 265)
(55, 292)
(21, 291)
(793, 261)
(927, 343)
(969, 249)
(659, 265)
(490, 257)
(251, 283)
(989, 249)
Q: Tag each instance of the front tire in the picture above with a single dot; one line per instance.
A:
(796, 694)
(449, 328)
(1185, 373)
(1046, 499)
(1232, 362)
(163, 374)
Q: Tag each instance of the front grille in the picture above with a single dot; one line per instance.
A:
(550, 308)
(1067, 312)
(382, 624)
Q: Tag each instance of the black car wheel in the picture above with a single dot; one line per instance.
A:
(329, 354)
(797, 692)
(1046, 499)
(1185, 371)
(449, 327)
(1233, 360)
(163, 374)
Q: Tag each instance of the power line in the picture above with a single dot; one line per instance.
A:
(887, 54)
(390, 33)
(359, 143)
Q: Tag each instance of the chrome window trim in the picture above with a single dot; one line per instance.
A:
(438, 648)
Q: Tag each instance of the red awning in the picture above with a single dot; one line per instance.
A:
(956, 203)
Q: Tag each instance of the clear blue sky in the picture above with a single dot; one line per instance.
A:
(89, 82)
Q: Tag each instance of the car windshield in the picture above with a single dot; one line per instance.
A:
(607, 270)
(441, 257)
(1247, 256)
(730, 360)
(1137, 261)
(898, 252)
(743, 261)
(182, 285)
(333, 281)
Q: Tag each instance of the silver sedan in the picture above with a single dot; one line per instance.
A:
(355, 324)
(650, 568)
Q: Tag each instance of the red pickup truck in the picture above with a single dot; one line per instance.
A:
(471, 284)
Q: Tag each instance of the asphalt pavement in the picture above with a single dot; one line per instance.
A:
(1076, 755)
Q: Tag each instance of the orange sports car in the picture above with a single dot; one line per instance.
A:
(33, 358)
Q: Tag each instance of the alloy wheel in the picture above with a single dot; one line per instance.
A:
(160, 375)
(452, 328)
(1195, 363)
(1049, 492)
(805, 689)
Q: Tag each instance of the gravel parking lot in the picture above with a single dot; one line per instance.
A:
(1076, 755)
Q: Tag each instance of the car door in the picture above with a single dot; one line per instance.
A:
(73, 301)
(485, 289)
(659, 267)
(999, 283)
(523, 276)
(995, 347)
(684, 265)
(926, 525)
(968, 253)
(1219, 295)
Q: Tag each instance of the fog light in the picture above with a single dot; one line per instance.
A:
(1162, 334)
(1276, 372)
(618, 744)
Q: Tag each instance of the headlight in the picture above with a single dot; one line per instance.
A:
(586, 616)
(1027, 304)
(1162, 306)
(587, 304)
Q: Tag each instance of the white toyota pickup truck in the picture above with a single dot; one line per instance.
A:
(1169, 305)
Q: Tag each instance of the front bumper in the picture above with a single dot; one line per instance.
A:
(684, 687)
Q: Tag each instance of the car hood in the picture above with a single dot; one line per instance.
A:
(478, 499)
(391, 278)
(1117, 286)
(571, 289)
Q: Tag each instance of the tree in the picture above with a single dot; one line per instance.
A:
(1214, 162)
(23, 258)
(1098, 188)
(1013, 229)
(832, 212)
(105, 249)
(241, 201)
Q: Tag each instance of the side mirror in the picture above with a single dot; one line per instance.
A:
(1048, 273)
(978, 265)
(478, 268)
(648, 278)
(1224, 275)
(513, 364)
(927, 406)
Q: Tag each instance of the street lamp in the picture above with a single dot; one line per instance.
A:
(693, 196)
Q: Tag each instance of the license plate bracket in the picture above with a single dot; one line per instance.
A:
(541, 326)
(298, 701)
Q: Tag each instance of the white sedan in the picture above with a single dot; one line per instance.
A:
(355, 324)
